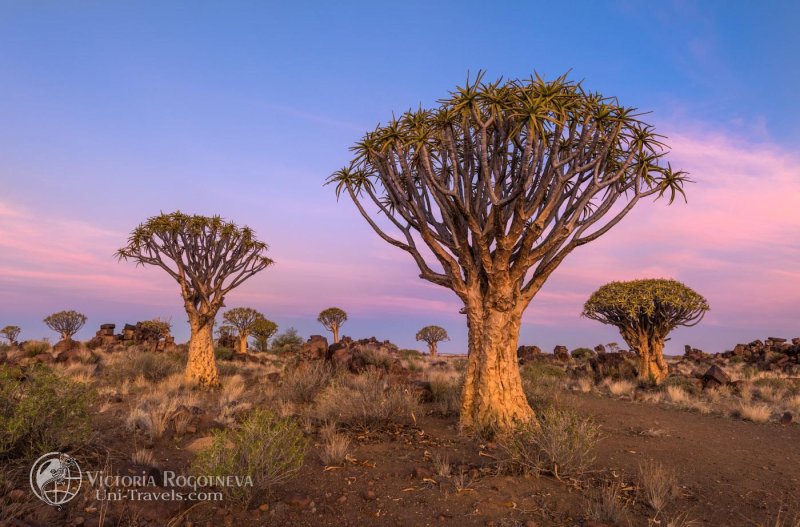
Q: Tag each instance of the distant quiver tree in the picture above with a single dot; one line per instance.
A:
(66, 323)
(332, 318)
(432, 335)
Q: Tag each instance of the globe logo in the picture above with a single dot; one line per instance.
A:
(55, 478)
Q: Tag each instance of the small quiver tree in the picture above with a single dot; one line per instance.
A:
(262, 331)
(645, 311)
(10, 333)
(432, 335)
(208, 257)
(243, 319)
(332, 318)
(66, 323)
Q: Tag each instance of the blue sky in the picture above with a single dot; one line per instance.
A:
(114, 111)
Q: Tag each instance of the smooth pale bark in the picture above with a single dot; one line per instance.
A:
(493, 399)
(202, 364)
(650, 350)
(432, 348)
(243, 344)
(335, 329)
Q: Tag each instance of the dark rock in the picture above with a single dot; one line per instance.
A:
(65, 345)
(315, 348)
(786, 418)
(424, 389)
(422, 472)
(714, 377)
(369, 495)
(301, 501)
(599, 349)
(616, 365)
(526, 354)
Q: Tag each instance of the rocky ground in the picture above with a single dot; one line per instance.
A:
(708, 448)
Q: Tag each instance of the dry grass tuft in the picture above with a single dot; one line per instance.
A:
(334, 446)
(677, 395)
(145, 457)
(618, 388)
(608, 506)
(658, 485)
(441, 464)
(756, 412)
(302, 384)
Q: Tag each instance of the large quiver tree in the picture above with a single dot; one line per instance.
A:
(645, 311)
(208, 257)
(499, 184)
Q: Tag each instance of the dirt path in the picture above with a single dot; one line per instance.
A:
(735, 472)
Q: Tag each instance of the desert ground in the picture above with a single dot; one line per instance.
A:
(367, 434)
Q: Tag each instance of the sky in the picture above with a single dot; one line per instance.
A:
(111, 112)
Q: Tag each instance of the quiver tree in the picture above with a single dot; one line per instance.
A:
(332, 318)
(262, 331)
(645, 311)
(10, 333)
(243, 319)
(208, 257)
(490, 191)
(432, 335)
(66, 323)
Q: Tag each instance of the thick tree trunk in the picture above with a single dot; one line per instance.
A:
(243, 344)
(650, 350)
(335, 330)
(432, 348)
(202, 364)
(493, 400)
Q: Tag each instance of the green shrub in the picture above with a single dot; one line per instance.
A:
(223, 353)
(367, 401)
(268, 449)
(153, 366)
(41, 412)
(682, 382)
(288, 342)
(561, 444)
(582, 354)
(542, 371)
(409, 353)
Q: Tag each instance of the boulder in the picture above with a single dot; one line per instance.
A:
(315, 348)
(65, 345)
(599, 349)
(561, 353)
(526, 354)
(615, 365)
(714, 377)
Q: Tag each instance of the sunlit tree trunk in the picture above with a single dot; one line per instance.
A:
(432, 348)
(649, 347)
(243, 343)
(202, 365)
(335, 329)
(493, 399)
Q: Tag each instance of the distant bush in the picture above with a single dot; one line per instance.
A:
(223, 353)
(153, 366)
(378, 358)
(41, 412)
(408, 353)
(287, 342)
(268, 449)
(35, 347)
(538, 371)
(582, 354)
(367, 401)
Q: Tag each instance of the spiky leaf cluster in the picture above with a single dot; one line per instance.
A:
(206, 255)
(432, 334)
(66, 323)
(504, 175)
(646, 305)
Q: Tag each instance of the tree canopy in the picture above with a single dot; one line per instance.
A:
(433, 334)
(262, 330)
(66, 323)
(503, 176)
(10, 333)
(658, 303)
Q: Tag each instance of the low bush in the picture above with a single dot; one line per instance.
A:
(561, 444)
(582, 354)
(302, 383)
(35, 347)
(153, 366)
(446, 393)
(41, 412)
(287, 343)
(334, 446)
(658, 485)
(268, 449)
(367, 401)
(409, 353)
(222, 353)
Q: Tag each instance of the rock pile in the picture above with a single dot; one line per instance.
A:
(615, 365)
(357, 355)
(772, 354)
(147, 333)
(526, 354)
